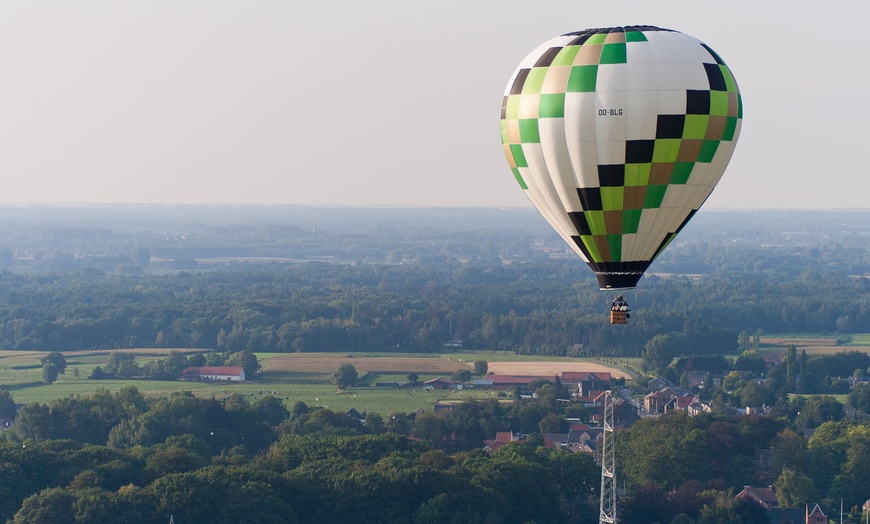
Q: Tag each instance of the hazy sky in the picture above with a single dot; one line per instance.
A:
(385, 102)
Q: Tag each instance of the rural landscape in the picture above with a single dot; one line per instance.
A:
(433, 263)
(458, 379)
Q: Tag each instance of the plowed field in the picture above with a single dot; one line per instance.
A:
(799, 341)
(544, 369)
(432, 365)
(328, 364)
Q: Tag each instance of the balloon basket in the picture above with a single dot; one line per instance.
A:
(618, 317)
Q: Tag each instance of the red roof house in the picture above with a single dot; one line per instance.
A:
(512, 381)
(575, 377)
(438, 383)
(501, 438)
(764, 496)
(816, 516)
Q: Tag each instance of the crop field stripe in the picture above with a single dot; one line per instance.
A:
(290, 385)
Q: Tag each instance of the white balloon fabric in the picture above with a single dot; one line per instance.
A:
(618, 135)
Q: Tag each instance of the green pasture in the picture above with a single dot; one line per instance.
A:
(499, 356)
(373, 378)
(262, 355)
(22, 376)
(379, 400)
(630, 364)
(842, 399)
(854, 340)
(848, 339)
(859, 339)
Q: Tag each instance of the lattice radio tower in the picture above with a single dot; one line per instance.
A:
(608, 465)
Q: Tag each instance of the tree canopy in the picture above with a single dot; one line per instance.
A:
(345, 376)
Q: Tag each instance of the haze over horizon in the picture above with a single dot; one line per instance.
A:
(383, 103)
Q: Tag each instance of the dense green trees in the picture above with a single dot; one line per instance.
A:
(315, 478)
(8, 410)
(345, 376)
(660, 351)
(79, 459)
(332, 307)
(418, 278)
(821, 375)
(246, 360)
(53, 364)
(859, 397)
(49, 373)
(87, 419)
(123, 365)
(137, 459)
(794, 489)
(676, 451)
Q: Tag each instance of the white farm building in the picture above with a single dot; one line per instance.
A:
(214, 373)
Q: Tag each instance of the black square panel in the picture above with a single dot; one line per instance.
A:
(670, 126)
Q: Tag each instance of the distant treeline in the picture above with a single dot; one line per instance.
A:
(549, 307)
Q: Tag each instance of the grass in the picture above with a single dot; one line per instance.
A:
(817, 344)
(21, 374)
(629, 364)
(373, 378)
(498, 356)
(350, 354)
(855, 339)
(797, 335)
(379, 400)
(859, 339)
(842, 399)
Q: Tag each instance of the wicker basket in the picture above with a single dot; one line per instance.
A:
(618, 317)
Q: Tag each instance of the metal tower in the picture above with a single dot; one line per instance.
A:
(608, 466)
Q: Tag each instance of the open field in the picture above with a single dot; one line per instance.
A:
(860, 339)
(291, 377)
(327, 363)
(800, 341)
(440, 365)
(551, 368)
(380, 400)
(818, 344)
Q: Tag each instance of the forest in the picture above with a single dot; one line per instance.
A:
(543, 308)
(410, 281)
(123, 457)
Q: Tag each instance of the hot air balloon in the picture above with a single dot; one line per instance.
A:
(618, 135)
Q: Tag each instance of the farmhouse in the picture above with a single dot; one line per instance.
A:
(816, 516)
(763, 496)
(438, 383)
(658, 384)
(214, 373)
(671, 399)
(696, 378)
(505, 382)
(501, 438)
(481, 383)
(592, 380)
(580, 439)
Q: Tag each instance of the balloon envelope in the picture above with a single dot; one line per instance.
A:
(618, 135)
